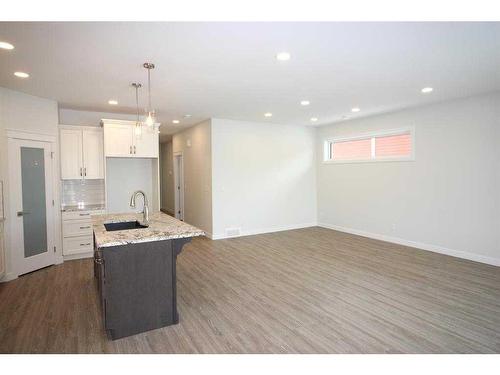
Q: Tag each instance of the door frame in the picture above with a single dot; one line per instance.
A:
(12, 266)
(179, 185)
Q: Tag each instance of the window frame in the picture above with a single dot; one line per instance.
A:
(370, 135)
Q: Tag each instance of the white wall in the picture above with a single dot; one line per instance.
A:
(263, 177)
(28, 113)
(123, 177)
(447, 200)
(89, 118)
(197, 174)
(22, 112)
(167, 177)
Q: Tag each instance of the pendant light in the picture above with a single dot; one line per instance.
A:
(150, 112)
(138, 124)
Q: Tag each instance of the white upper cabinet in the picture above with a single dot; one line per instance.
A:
(93, 154)
(147, 144)
(71, 154)
(120, 140)
(82, 154)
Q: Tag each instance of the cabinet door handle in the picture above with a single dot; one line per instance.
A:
(87, 227)
(85, 244)
(130, 149)
(84, 214)
(135, 151)
(81, 173)
(85, 171)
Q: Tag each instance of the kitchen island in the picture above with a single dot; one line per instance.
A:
(135, 268)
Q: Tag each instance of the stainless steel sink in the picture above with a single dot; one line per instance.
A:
(126, 225)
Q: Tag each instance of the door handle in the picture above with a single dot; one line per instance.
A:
(81, 174)
(135, 151)
(85, 171)
(130, 150)
(22, 213)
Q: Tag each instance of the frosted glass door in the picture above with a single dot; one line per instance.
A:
(31, 201)
(34, 212)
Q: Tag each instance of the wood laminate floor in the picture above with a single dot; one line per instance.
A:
(311, 290)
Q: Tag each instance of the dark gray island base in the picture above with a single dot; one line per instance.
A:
(136, 273)
(137, 286)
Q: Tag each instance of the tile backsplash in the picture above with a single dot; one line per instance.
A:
(82, 191)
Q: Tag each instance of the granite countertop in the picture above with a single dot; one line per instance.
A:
(161, 227)
(88, 207)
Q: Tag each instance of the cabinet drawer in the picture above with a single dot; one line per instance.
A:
(79, 215)
(77, 245)
(74, 228)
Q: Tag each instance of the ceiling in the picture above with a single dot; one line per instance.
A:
(229, 70)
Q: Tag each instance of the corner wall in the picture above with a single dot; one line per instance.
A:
(195, 144)
(447, 200)
(264, 177)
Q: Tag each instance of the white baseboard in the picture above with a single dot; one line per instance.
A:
(209, 235)
(167, 210)
(253, 232)
(11, 276)
(8, 277)
(419, 245)
(88, 254)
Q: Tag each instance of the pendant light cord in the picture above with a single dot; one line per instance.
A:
(137, 102)
(149, 90)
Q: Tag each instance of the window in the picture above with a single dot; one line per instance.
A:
(381, 146)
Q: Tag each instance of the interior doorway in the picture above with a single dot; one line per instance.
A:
(179, 185)
(31, 204)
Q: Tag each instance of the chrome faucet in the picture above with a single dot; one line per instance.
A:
(145, 210)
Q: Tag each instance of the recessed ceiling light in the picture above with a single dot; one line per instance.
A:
(5, 45)
(21, 74)
(305, 102)
(175, 121)
(355, 109)
(283, 56)
(426, 90)
(268, 114)
(187, 116)
(314, 119)
(113, 102)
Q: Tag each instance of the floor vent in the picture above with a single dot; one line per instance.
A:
(233, 232)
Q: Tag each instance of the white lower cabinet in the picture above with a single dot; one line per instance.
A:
(77, 245)
(77, 232)
(73, 228)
